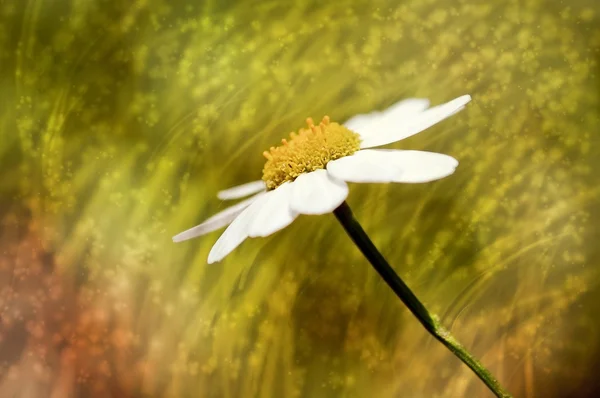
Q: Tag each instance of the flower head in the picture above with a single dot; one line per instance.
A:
(309, 150)
(309, 173)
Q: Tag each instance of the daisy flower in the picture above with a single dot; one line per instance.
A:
(308, 174)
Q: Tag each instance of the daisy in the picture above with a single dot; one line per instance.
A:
(308, 174)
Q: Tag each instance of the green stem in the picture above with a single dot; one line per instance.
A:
(430, 322)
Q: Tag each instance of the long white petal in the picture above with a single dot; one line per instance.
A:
(406, 107)
(275, 213)
(390, 129)
(243, 190)
(236, 233)
(381, 165)
(219, 220)
(317, 193)
(367, 124)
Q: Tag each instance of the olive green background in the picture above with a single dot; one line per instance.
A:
(120, 120)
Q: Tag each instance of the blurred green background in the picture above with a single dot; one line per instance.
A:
(120, 120)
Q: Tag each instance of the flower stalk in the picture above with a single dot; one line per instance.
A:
(344, 215)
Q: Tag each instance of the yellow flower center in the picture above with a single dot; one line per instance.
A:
(308, 150)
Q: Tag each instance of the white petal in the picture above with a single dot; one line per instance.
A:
(236, 233)
(390, 129)
(368, 123)
(406, 107)
(243, 190)
(317, 193)
(275, 213)
(381, 165)
(219, 220)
